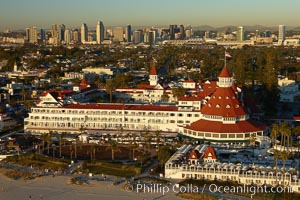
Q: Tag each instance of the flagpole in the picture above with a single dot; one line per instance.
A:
(225, 58)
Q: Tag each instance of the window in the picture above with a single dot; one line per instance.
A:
(172, 114)
(218, 106)
(189, 115)
(228, 106)
(172, 121)
(180, 114)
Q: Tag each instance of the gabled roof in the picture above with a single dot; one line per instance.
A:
(194, 155)
(210, 153)
(225, 73)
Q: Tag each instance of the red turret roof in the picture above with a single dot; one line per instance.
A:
(218, 127)
(225, 73)
(153, 70)
(83, 83)
(223, 102)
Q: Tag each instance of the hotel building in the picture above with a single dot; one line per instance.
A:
(215, 113)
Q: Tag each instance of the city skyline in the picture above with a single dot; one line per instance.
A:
(144, 13)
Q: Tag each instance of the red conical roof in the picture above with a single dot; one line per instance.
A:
(83, 83)
(225, 73)
(153, 70)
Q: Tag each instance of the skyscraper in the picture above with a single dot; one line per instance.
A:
(172, 31)
(137, 36)
(128, 33)
(43, 35)
(281, 34)
(33, 34)
(240, 34)
(99, 32)
(181, 27)
(67, 36)
(84, 33)
(75, 36)
(61, 33)
(118, 34)
(27, 33)
(54, 31)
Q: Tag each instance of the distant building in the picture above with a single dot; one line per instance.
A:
(99, 32)
(118, 34)
(61, 33)
(84, 33)
(43, 35)
(172, 31)
(281, 34)
(54, 31)
(31, 34)
(240, 34)
(128, 33)
(182, 33)
(67, 36)
(76, 36)
(137, 36)
(289, 89)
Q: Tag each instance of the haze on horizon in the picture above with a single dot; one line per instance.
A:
(19, 14)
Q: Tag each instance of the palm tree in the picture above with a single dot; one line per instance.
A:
(274, 133)
(110, 86)
(284, 157)
(285, 130)
(75, 149)
(44, 139)
(157, 136)
(252, 143)
(113, 147)
(49, 136)
(93, 151)
(60, 141)
(276, 157)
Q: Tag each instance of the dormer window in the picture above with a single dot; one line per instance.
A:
(209, 105)
(227, 97)
(218, 106)
(237, 106)
(220, 97)
(228, 106)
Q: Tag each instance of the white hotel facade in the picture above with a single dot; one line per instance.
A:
(210, 117)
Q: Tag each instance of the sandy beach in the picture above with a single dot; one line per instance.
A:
(59, 188)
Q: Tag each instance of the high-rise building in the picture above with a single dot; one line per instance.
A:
(240, 34)
(181, 27)
(67, 36)
(54, 31)
(172, 31)
(99, 32)
(43, 35)
(76, 36)
(281, 34)
(33, 34)
(61, 33)
(137, 36)
(118, 34)
(207, 34)
(128, 33)
(27, 33)
(84, 33)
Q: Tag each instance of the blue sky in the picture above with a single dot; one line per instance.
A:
(19, 14)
